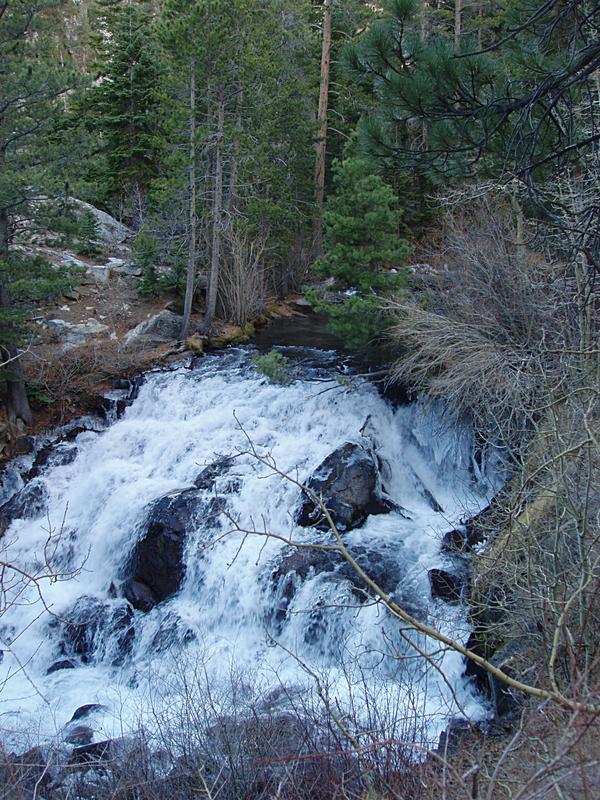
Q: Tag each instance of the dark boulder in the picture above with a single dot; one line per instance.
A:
(156, 569)
(125, 391)
(513, 659)
(451, 739)
(24, 445)
(79, 735)
(456, 541)
(480, 527)
(94, 753)
(302, 564)
(84, 711)
(31, 502)
(294, 568)
(349, 484)
(158, 559)
(55, 455)
(139, 595)
(96, 629)
(207, 479)
(172, 633)
(84, 625)
(25, 775)
(448, 586)
(66, 663)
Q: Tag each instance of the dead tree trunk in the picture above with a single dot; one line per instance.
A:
(217, 218)
(321, 143)
(457, 23)
(190, 283)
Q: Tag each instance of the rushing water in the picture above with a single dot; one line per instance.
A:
(222, 622)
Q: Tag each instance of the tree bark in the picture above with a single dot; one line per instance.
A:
(457, 23)
(17, 404)
(321, 143)
(190, 283)
(217, 218)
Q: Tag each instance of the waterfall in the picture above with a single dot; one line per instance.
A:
(235, 612)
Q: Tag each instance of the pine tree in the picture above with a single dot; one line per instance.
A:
(238, 130)
(363, 252)
(32, 85)
(507, 109)
(124, 107)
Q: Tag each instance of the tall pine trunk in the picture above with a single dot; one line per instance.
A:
(217, 217)
(190, 283)
(321, 144)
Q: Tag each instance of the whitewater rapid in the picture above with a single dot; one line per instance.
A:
(219, 628)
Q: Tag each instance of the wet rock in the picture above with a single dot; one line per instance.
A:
(158, 559)
(122, 624)
(455, 541)
(207, 479)
(66, 663)
(97, 629)
(24, 445)
(512, 659)
(125, 391)
(56, 454)
(382, 568)
(96, 752)
(302, 564)
(159, 555)
(74, 432)
(161, 328)
(79, 735)
(478, 528)
(172, 633)
(348, 482)
(433, 503)
(451, 738)
(84, 711)
(31, 502)
(85, 622)
(447, 586)
(139, 595)
(10, 482)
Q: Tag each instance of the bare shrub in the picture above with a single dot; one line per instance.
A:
(508, 338)
(243, 275)
(482, 338)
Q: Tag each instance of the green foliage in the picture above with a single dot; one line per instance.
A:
(274, 366)
(123, 107)
(28, 281)
(38, 395)
(86, 234)
(363, 252)
(493, 110)
(255, 57)
(34, 80)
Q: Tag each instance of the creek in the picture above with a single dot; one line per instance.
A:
(247, 610)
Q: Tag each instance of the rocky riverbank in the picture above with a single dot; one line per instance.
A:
(103, 330)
